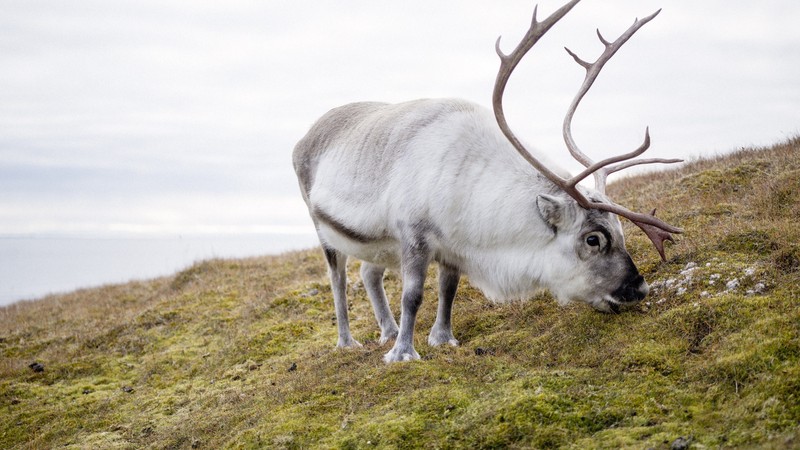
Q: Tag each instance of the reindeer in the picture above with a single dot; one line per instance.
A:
(403, 185)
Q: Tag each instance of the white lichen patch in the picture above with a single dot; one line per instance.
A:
(710, 278)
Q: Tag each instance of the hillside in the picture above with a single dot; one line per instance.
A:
(240, 353)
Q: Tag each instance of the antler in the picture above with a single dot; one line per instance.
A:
(657, 230)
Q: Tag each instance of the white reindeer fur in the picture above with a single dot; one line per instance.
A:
(380, 169)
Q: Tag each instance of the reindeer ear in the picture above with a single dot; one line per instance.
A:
(552, 209)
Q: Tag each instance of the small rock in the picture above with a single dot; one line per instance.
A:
(36, 367)
(690, 265)
(750, 271)
(732, 284)
(480, 351)
(681, 443)
(127, 389)
(293, 367)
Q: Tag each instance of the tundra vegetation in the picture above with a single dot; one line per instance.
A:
(239, 353)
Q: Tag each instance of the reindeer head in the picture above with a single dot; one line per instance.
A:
(589, 261)
(598, 270)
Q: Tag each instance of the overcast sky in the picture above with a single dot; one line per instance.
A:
(180, 116)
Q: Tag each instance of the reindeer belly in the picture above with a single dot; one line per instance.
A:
(383, 252)
(352, 219)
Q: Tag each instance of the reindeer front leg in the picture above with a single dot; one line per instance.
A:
(442, 330)
(414, 262)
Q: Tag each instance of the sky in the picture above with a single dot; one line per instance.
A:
(179, 117)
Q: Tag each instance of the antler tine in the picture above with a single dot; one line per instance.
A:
(630, 163)
(637, 162)
(602, 169)
(657, 235)
(592, 71)
(598, 169)
(507, 65)
(656, 229)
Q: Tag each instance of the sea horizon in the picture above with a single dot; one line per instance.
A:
(35, 265)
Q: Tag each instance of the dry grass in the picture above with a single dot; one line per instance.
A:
(239, 354)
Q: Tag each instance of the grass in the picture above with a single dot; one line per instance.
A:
(240, 353)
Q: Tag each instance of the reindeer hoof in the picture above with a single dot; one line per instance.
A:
(440, 335)
(438, 339)
(387, 336)
(399, 355)
(348, 343)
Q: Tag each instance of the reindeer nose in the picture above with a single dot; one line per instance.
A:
(633, 290)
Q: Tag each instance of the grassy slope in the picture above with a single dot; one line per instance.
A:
(240, 353)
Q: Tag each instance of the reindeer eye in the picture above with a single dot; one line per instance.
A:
(596, 239)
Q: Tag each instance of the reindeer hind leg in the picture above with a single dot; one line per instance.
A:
(372, 276)
(337, 265)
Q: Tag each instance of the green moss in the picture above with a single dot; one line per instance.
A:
(730, 179)
(782, 196)
(751, 241)
(278, 338)
(787, 260)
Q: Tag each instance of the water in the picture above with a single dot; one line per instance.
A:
(32, 267)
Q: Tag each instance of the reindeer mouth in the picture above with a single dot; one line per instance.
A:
(606, 304)
(610, 304)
